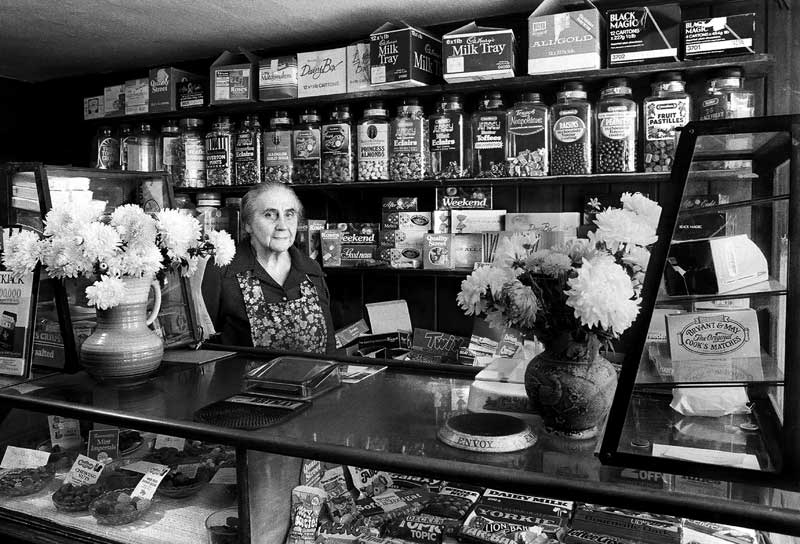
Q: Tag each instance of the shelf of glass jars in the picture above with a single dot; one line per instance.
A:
(753, 66)
(770, 287)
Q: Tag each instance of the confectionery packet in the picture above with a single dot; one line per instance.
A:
(306, 507)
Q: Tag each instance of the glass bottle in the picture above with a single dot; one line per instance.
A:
(219, 163)
(571, 131)
(125, 134)
(107, 149)
(192, 154)
(142, 150)
(451, 155)
(338, 143)
(277, 140)
(170, 143)
(528, 145)
(668, 108)
(306, 136)
(410, 159)
(616, 128)
(373, 143)
(233, 205)
(208, 211)
(247, 152)
(726, 98)
(489, 125)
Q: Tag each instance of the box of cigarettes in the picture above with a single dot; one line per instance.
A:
(436, 252)
(643, 34)
(331, 241)
(463, 198)
(719, 36)
(473, 221)
(562, 41)
(277, 78)
(358, 67)
(414, 221)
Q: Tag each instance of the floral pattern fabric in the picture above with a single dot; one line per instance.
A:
(296, 325)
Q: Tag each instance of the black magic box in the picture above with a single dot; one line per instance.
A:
(643, 35)
(719, 36)
(404, 56)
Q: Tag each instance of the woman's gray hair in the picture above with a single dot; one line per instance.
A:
(249, 200)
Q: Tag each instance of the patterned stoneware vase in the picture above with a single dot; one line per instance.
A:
(571, 387)
(122, 348)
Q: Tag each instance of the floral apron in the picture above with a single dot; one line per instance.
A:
(296, 325)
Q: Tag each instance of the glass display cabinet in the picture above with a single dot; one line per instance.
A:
(710, 389)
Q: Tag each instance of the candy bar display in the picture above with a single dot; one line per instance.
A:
(191, 154)
(489, 126)
(617, 128)
(451, 154)
(373, 143)
(410, 157)
(528, 146)
(247, 152)
(219, 163)
(571, 118)
(338, 143)
(277, 140)
(306, 164)
(665, 111)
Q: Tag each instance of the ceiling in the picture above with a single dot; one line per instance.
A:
(49, 39)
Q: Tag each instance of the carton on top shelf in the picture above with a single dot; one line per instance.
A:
(643, 35)
(404, 56)
(719, 36)
(165, 81)
(233, 77)
(277, 78)
(563, 36)
(475, 52)
(322, 72)
(358, 67)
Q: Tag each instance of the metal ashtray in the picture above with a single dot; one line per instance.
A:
(487, 433)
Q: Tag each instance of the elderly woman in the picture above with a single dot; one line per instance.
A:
(271, 295)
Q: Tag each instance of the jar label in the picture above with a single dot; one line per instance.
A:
(526, 122)
(306, 144)
(617, 125)
(662, 117)
(169, 150)
(446, 133)
(569, 129)
(195, 158)
(107, 153)
(373, 142)
(277, 147)
(245, 150)
(216, 158)
(407, 135)
(336, 139)
(489, 132)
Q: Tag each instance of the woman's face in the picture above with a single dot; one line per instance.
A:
(274, 225)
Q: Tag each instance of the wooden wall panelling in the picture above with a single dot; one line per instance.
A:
(420, 294)
(347, 301)
(450, 317)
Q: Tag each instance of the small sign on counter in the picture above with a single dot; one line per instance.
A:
(84, 471)
(15, 457)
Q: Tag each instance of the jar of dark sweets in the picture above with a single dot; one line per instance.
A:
(338, 146)
(306, 136)
(277, 140)
(616, 128)
(666, 110)
(451, 155)
(571, 122)
(409, 159)
(528, 145)
(489, 137)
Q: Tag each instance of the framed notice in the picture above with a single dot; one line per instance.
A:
(17, 302)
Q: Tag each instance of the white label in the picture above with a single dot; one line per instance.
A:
(190, 470)
(638, 55)
(64, 432)
(224, 476)
(142, 467)
(378, 74)
(84, 471)
(166, 441)
(147, 486)
(455, 65)
(24, 458)
(715, 46)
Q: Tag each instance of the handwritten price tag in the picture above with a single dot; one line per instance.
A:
(190, 470)
(84, 471)
(147, 486)
(225, 476)
(166, 441)
(24, 458)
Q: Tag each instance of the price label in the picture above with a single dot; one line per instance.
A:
(64, 432)
(190, 470)
(103, 444)
(225, 475)
(166, 441)
(147, 486)
(24, 458)
(142, 467)
(84, 471)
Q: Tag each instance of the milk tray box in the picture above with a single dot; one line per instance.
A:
(564, 36)
(404, 56)
(474, 52)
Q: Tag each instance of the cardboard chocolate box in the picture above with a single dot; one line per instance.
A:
(277, 78)
(643, 35)
(463, 198)
(358, 67)
(137, 97)
(719, 36)
(164, 84)
(233, 77)
(322, 72)
(404, 56)
(562, 38)
(474, 52)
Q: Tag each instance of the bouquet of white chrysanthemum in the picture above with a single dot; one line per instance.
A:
(79, 242)
(581, 290)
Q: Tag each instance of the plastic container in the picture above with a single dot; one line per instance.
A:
(528, 144)
(277, 139)
(192, 154)
(373, 143)
(667, 109)
(306, 153)
(571, 131)
(219, 156)
(489, 135)
(616, 128)
(338, 147)
(247, 152)
(142, 149)
(110, 508)
(410, 158)
(450, 140)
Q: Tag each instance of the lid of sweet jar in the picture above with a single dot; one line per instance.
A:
(233, 202)
(572, 89)
(530, 97)
(222, 123)
(144, 128)
(616, 86)
(170, 126)
(309, 115)
(106, 130)
(340, 113)
(209, 199)
(730, 76)
(124, 129)
(376, 108)
(409, 105)
(491, 100)
(279, 117)
(191, 123)
(450, 102)
(669, 76)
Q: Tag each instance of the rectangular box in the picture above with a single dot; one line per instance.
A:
(713, 335)
(404, 56)
(277, 78)
(390, 220)
(707, 532)
(643, 35)
(358, 67)
(474, 52)
(322, 72)
(164, 83)
(359, 255)
(356, 233)
(719, 36)
(233, 77)
(193, 93)
(474, 221)
(137, 96)
(560, 41)
(441, 221)
(414, 221)
(409, 238)
(467, 249)
(627, 524)
(456, 197)
(331, 241)
(437, 252)
(407, 256)
(93, 107)
(114, 100)
(543, 221)
(399, 204)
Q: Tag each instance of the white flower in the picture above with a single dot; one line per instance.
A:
(548, 262)
(178, 232)
(474, 287)
(22, 252)
(602, 295)
(618, 227)
(105, 293)
(641, 205)
(63, 258)
(135, 227)
(522, 304)
(637, 257)
(224, 247)
(138, 262)
(578, 249)
(99, 242)
(70, 216)
(513, 250)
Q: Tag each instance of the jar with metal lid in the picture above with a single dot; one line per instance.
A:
(125, 134)
(142, 149)
(373, 143)
(191, 154)
(528, 145)
(106, 149)
(209, 214)
(726, 97)
(277, 138)
(489, 133)
(183, 202)
(450, 141)
(665, 111)
(409, 159)
(247, 152)
(170, 142)
(571, 131)
(616, 128)
(219, 159)
(338, 146)
(306, 153)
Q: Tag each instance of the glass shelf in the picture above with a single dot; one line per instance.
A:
(770, 287)
(762, 202)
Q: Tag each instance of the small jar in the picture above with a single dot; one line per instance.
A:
(170, 144)
(192, 154)
(451, 153)
(277, 139)
(306, 135)
(373, 143)
(665, 111)
(209, 213)
(338, 147)
(247, 152)
(125, 135)
(183, 202)
(489, 137)
(726, 97)
(571, 131)
(528, 145)
(616, 128)
(142, 149)
(106, 149)
(233, 206)
(219, 163)
(410, 159)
